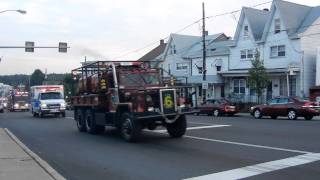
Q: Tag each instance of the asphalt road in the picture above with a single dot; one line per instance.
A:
(218, 147)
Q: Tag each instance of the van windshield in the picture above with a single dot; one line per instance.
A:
(51, 95)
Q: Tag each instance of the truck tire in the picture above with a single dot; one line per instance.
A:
(79, 117)
(90, 123)
(130, 128)
(178, 128)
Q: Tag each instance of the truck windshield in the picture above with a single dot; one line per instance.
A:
(138, 79)
(51, 95)
(21, 98)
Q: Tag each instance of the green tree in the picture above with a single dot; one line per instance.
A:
(37, 78)
(68, 85)
(258, 79)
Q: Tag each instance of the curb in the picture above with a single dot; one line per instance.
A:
(43, 164)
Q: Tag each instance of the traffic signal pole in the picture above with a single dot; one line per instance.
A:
(204, 54)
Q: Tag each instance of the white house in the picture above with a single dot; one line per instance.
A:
(287, 38)
(182, 59)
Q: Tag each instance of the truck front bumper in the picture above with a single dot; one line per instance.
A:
(152, 115)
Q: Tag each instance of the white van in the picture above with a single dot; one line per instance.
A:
(47, 99)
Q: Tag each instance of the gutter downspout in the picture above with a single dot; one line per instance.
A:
(302, 75)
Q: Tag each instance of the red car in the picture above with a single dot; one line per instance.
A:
(218, 107)
(292, 107)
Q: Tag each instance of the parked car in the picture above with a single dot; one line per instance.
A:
(217, 107)
(292, 107)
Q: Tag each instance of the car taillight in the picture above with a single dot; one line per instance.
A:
(229, 108)
(308, 105)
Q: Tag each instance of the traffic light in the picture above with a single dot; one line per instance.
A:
(63, 47)
(29, 46)
(172, 81)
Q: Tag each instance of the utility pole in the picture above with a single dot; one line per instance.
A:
(204, 54)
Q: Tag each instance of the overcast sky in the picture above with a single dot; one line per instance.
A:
(103, 29)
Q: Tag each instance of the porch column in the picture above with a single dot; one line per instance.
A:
(288, 85)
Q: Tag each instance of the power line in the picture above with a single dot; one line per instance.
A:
(184, 28)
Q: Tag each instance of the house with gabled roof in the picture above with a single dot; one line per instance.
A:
(287, 38)
(182, 59)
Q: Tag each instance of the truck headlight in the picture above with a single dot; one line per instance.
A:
(151, 109)
(16, 105)
(43, 105)
(251, 108)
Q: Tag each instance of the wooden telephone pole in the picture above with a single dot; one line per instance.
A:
(204, 54)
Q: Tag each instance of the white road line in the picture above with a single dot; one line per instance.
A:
(193, 128)
(69, 117)
(46, 167)
(261, 168)
(250, 145)
(190, 122)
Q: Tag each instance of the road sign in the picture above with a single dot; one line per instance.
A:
(205, 85)
(29, 46)
(63, 47)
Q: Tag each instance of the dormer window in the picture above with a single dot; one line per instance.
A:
(246, 31)
(277, 26)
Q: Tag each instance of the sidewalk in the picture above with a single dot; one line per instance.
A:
(17, 164)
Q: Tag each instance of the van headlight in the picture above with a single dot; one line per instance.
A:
(43, 105)
(16, 105)
(63, 105)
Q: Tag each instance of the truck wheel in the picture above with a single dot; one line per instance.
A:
(178, 128)
(130, 128)
(79, 117)
(90, 122)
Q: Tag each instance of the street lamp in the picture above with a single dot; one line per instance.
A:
(15, 10)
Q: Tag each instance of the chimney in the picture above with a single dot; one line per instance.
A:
(266, 9)
(161, 42)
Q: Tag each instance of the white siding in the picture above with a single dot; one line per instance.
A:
(310, 40)
(242, 43)
(292, 47)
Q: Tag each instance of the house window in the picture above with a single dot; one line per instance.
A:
(246, 54)
(277, 27)
(249, 53)
(169, 69)
(278, 51)
(239, 86)
(282, 51)
(246, 31)
(173, 49)
(182, 66)
(218, 68)
(243, 54)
